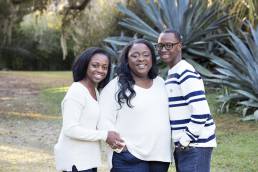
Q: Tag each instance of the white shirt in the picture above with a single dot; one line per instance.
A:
(78, 143)
(145, 127)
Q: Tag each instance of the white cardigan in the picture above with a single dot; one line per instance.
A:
(78, 143)
(145, 127)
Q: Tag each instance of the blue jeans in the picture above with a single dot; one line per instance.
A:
(89, 170)
(193, 159)
(126, 162)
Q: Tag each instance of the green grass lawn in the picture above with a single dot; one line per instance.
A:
(237, 149)
(237, 141)
(52, 98)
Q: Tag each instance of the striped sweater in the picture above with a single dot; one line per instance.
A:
(190, 116)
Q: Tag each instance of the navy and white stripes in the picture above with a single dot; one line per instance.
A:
(186, 100)
(175, 78)
(190, 117)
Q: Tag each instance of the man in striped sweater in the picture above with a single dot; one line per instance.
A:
(193, 128)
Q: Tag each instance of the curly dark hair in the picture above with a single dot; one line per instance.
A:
(81, 64)
(125, 78)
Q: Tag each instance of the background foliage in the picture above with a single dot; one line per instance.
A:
(48, 34)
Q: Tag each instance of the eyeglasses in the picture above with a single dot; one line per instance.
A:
(168, 45)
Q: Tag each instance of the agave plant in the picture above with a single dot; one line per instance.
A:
(195, 20)
(239, 71)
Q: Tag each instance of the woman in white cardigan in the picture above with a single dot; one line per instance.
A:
(78, 145)
(135, 104)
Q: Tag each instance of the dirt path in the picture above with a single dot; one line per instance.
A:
(26, 135)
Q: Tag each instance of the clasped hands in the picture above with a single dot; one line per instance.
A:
(114, 140)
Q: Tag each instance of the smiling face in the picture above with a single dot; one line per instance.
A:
(140, 60)
(97, 68)
(171, 55)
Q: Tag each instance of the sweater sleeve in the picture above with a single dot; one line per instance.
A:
(108, 107)
(192, 88)
(71, 110)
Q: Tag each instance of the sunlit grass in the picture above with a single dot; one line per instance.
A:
(6, 98)
(31, 115)
(51, 98)
(20, 158)
(51, 74)
(22, 155)
(57, 90)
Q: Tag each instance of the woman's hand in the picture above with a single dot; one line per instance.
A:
(114, 140)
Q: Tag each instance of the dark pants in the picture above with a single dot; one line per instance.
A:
(126, 162)
(193, 159)
(75, 170)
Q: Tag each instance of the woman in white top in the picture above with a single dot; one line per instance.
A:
(78, 144)
(135, 104)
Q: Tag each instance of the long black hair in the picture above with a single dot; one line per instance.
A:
(125, 78)
(81, 64)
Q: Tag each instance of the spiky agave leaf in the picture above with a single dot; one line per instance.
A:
(240, 68)
(195, 20)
